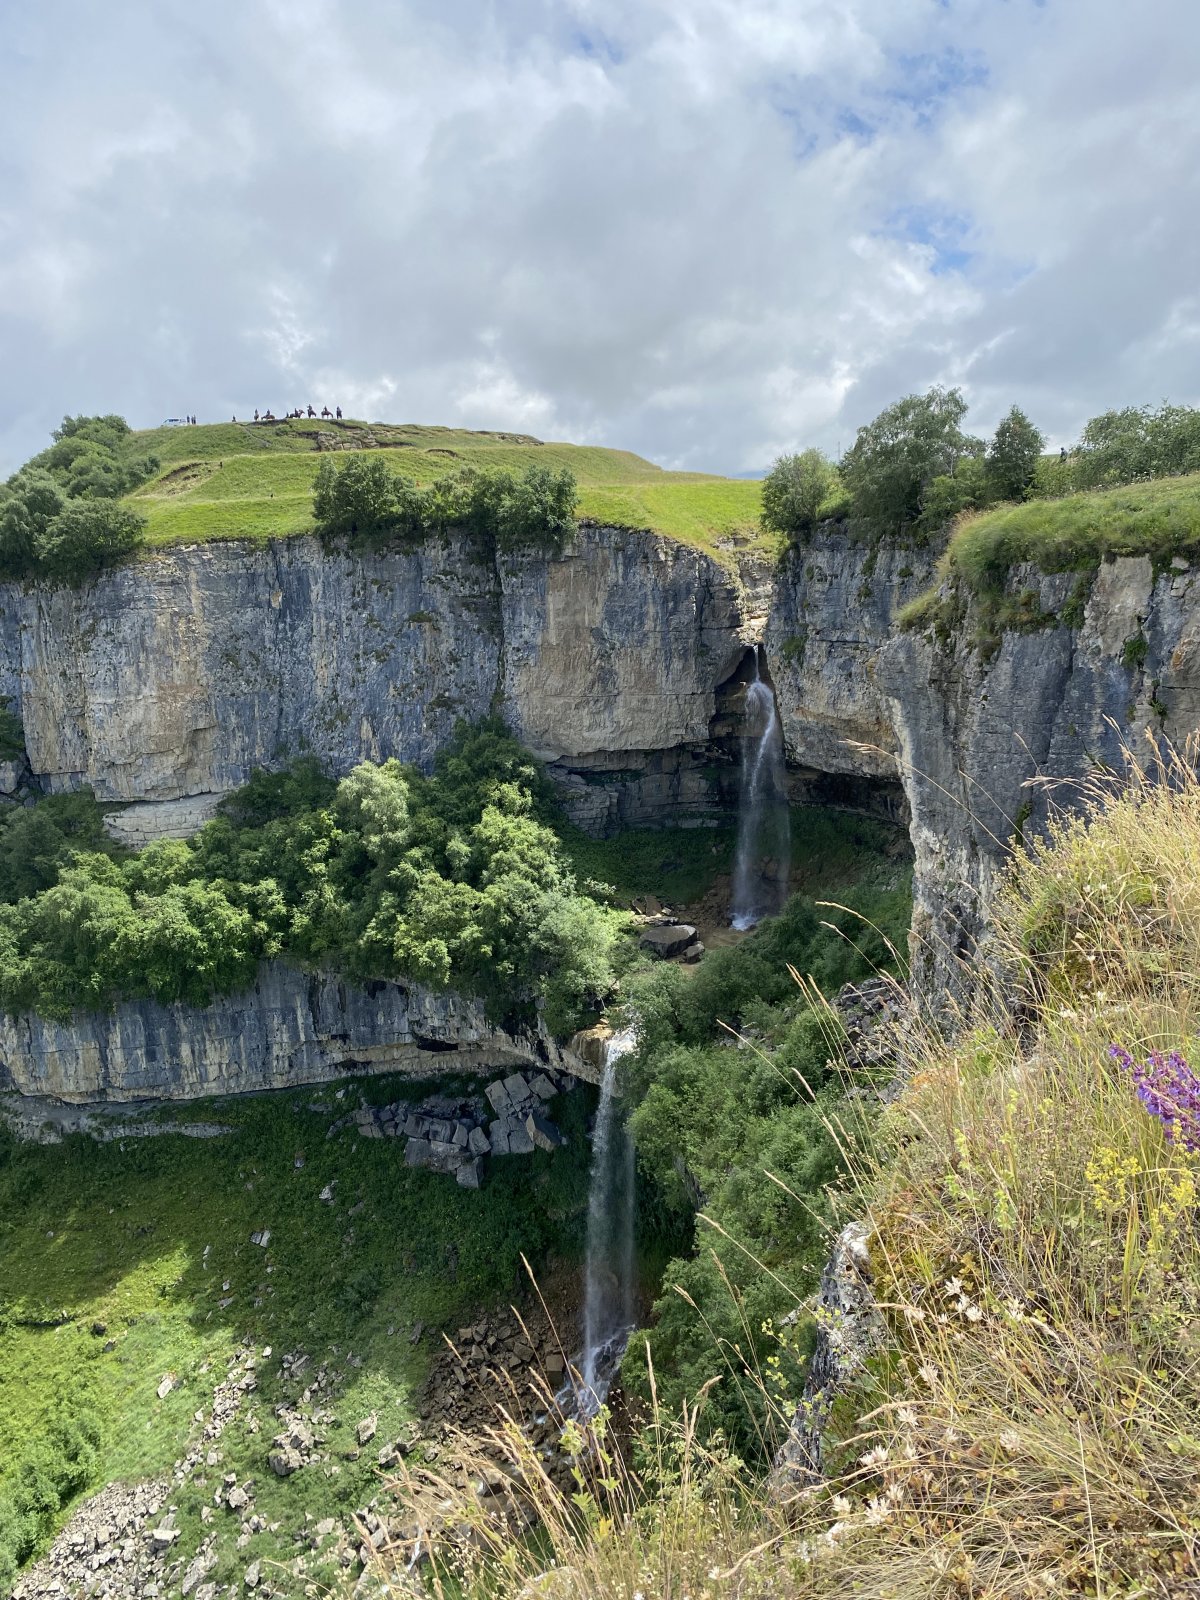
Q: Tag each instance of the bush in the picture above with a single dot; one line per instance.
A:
(1138, 442)
(795, 490)
(363, 498)
(86, 536)
(895, 459)
(31, 501)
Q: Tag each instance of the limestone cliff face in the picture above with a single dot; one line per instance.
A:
(831, 613)
(167, 682)
(990, 743)
(173, 678)
(291, 1027)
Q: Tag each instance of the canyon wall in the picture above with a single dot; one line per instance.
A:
(621, 663)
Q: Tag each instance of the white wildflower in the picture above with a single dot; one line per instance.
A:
(877, 1511)
(953, 1287)
(874, 1457)
(927, 1372)
(841, 1505)
(973, 1314)
(1010, 1440)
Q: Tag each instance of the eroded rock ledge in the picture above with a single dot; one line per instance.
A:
(292, 1027)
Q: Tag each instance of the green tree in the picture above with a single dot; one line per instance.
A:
(896, 457)
(1013, 456)
(537, 510)
(31, 501)
(794, 491)
(356, 498)
(86, 536)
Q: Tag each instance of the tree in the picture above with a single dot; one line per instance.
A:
(359, 497)
(1013, 456)
(895, 458)
(794, 491)
(537, 510)
(85, 536)
(32, 500)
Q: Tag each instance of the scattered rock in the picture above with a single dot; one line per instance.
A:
(262, 1238)
(169, 1381)
(365, 1431)
(544, 1133)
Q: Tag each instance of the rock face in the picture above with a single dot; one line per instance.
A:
(171, 679)
(291, 1027)
(624, 664)
(989, 743)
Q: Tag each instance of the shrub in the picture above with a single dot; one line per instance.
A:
(895, 458)
(1138, 442)
(795, 490)
(85, 536)
(357, 497)
(537, 510)
(31, 501)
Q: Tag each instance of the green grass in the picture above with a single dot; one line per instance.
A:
(1160, 519)
(230, 481)
(117, 1233)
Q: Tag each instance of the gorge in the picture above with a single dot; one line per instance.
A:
(625, 664)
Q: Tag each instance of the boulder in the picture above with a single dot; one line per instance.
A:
(498, 1096)
(543, 1087)
(544, 1133)
(498, 1137)
(478, 1142)
(519, 1141)
(668, 939)
(283, 1461)
(517, 1087)
(470, 1174)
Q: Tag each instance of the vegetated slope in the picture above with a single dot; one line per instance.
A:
(1026, 1424)
(235, 480)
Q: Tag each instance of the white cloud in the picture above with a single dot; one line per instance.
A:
(706, 231)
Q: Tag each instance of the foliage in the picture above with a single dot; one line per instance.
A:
(714, 1115)
(1026, 1423)
(58, 516)
(12, 733)
(896, 458)
(85, 536)
(37, 842)
(1138, 442)
(363, 497)
(452, 879)
(1013, 456)
(127, 1259)
(795, 490)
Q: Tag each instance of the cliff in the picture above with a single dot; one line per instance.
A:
(167, 682)
(291, 1027)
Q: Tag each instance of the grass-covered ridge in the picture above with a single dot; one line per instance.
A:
(248, 481)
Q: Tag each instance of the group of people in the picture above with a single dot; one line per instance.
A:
(291, 416)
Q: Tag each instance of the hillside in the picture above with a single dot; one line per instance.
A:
(254, 481)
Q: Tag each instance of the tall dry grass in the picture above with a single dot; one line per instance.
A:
(1030, 1425)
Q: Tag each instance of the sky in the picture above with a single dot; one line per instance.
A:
(707, 230)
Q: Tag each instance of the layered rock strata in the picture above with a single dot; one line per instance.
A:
(291, 1027)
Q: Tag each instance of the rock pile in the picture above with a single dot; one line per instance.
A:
(119, 1543)
(458, 1137)
(878, 1018)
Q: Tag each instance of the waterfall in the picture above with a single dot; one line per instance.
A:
(760, 871)
(608, 1305)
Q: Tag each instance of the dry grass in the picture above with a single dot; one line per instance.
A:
(1031, 1426)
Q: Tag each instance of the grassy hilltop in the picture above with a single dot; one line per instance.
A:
(254, 481)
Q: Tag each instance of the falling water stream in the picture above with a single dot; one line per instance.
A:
(608, 1308)
(760, 870)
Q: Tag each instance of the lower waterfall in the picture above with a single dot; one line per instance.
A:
(760, 871)
(608, 1306)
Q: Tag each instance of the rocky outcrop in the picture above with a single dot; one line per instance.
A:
(291, 1027)
(993, 737)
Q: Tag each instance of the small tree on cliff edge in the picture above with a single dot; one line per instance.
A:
(895, 458)
(1013, 456)
(794, 491)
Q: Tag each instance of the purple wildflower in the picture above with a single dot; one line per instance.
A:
(1169, 1090)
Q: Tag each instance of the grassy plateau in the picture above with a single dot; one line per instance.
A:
(254, 481)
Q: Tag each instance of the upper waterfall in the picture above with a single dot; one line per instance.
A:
(760, 873)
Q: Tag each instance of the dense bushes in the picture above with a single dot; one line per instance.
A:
(797, 491)
(59, 515)
(363, 498)
(51, 1472)
(452, 879)
(714, 1116)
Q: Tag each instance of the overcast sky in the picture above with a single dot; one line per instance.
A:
(706, 230)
